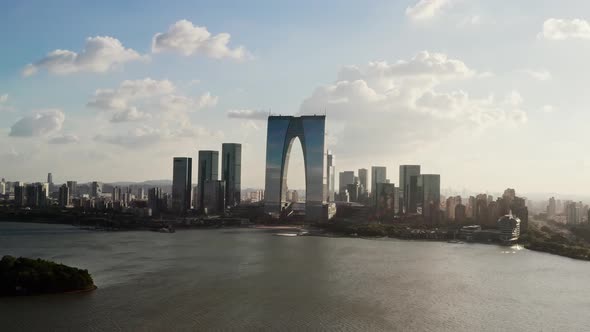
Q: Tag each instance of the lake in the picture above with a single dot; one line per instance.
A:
(250, 280)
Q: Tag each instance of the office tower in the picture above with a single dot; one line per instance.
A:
(155, 201)
(64, 195)
(281, 132)
(214, 197)
(36, 194)
(116, 195)
(19, 195)
(331, 176)
(72, 188)
(571, 212)
(231, 172)
(2, 187)
(363, 179)
(208, 170)
(384, 196)
(405, 173)
(460, 215)
(345, 178)
(519, 209)
(378, 175)
(429, 195)
(95, 189)
(353, 190)
(181, 184)
(551, 207)
(140, 193)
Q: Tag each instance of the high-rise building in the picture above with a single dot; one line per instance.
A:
(460, 215)
(345, 178)
(405, 173)
(95, 189)
(214, 197)
(36, 194)
(19, 195)
(429, 199)
(2, 187)
(140, 193)
(353, 190)
(182, 169)
(551, 207)
(331, 176)
(156, 201)
(231, 172)
(64, 196)
(116, 195)
(72, 188)
(208, 170)
(363, 179)
(281, 133)
(378, 175)
(384, 196)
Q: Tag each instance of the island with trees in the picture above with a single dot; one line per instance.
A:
(25, 276)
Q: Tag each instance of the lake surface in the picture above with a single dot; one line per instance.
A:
(250, 280)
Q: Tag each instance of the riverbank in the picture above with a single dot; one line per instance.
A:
(545, 239)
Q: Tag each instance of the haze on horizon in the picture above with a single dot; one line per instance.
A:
(489, 95)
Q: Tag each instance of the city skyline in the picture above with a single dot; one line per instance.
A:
(476, 107)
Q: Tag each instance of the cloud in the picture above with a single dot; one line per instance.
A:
(64, 139)
(541, 75)
(3, 98)
(247, 114)
(187, 39)
(402, 110)
(142, 137)
(129, 115)
(426, 9)
(133, 100)
(562, 29)
(38, 124)
(100, 54)
(3, 102)
(548, 109)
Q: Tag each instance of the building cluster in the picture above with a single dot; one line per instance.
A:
(568, 211)
(211, 195)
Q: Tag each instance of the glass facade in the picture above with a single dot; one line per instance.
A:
(208, 170)
(231, 172)
(281, 132)
(378, 175)
(182, 171)
(429, 189)
(405, 173)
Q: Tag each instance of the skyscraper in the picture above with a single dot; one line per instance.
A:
(72, 188)
(155, 201)
(231, 172)
(208, 170)
(378, 175)
(182, 169)
(64, 195)
(49, 183)
(345, 178)
(405, 173)
(364, 179)
(331, 176)
(429, 188)
(96, 189)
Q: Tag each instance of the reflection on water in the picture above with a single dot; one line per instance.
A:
(250, 280)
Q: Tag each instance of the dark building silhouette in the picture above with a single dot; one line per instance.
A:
(231, 172)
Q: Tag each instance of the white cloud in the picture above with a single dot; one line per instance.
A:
(40, 123)
(247, 114)
(145, 136)
(541, 75)
(470, 21)
(134, 100)
(548, 109)
(426, 9)
(129, 115)
(187, 39)
(64, 139)
(100, 54)
(561, 29)
(399, 107)
(3, 98)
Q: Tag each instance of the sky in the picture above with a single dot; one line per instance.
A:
(489, 94)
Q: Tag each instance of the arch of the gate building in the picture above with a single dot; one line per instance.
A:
(281, 133)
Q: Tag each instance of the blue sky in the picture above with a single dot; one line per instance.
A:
(466, 84)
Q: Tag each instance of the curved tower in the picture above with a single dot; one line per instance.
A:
(282, 131)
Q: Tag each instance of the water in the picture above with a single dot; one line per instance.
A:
(243, 279)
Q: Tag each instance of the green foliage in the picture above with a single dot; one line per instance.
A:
(24, 276)
(547, 240)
